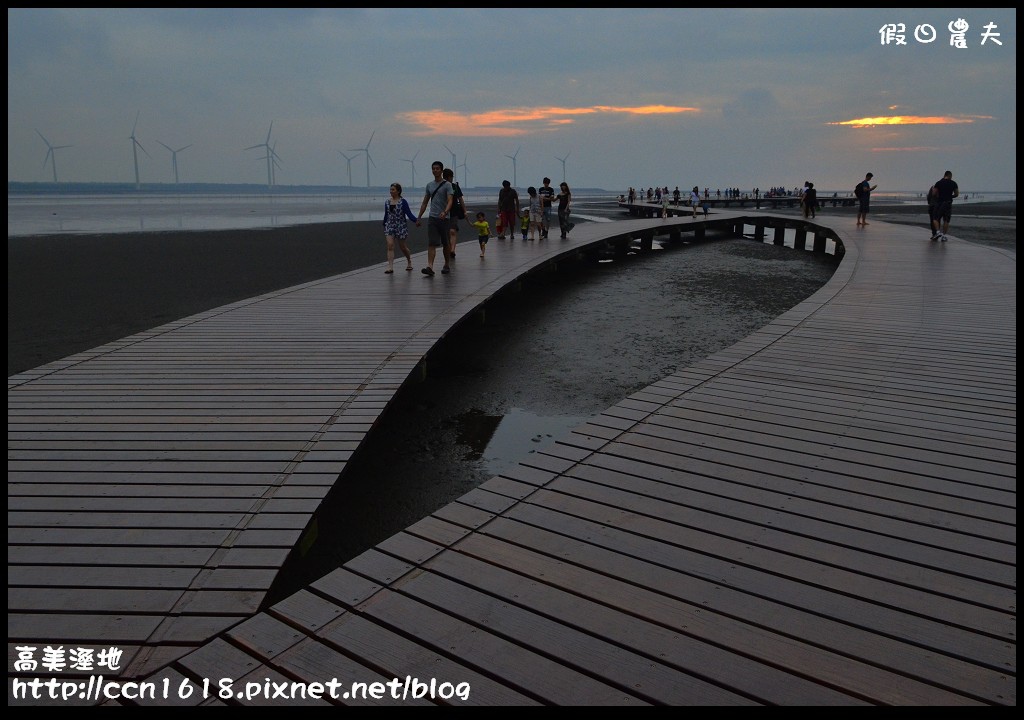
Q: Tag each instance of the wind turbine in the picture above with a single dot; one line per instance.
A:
(465, 174)
(348, 160)
(174, 158)
(513, 159)
(412, 164)
(368, 158)
(51, 156)
(274, 164)
(269, 156)
(562, 160)
(453, 160)
(135, 153)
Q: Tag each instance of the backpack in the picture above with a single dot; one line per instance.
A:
(859, 190)
(458, 207)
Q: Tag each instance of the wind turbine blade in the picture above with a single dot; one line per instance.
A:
(136, 122)
(371, 140)
(185, 148)
(371, 160)
(165, 146)
(44, 139)
(269, 131)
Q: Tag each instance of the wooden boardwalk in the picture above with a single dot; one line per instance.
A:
(823, 513)
(643, 208)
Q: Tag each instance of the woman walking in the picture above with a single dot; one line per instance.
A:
(396, 212)
(564, 205)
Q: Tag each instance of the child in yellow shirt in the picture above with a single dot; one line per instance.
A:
(483, 231)
(524, 223)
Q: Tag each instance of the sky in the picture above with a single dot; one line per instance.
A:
(600, 98)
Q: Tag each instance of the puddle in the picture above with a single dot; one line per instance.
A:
(500, 442)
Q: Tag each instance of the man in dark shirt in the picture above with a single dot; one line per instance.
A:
(945, 190)
(547, 194)
(508, 209)
(865, 189)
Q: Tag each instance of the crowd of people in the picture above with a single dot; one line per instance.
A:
(660, 194)
(445, 205)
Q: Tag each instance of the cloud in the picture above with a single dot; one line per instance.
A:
(513, 122)
(911, 120)
(923, 148)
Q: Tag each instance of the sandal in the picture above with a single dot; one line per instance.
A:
(388, 272)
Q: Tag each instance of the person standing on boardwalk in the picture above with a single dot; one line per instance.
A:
(945, 190)
(458, 211)
(508, 210)
(438, 196)
(547, 194)
(695, 200)
(536, 214)
(396, 211)
(564, 208)
(863, 193)
(810, 200)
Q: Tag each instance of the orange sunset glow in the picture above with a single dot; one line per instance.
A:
(519, 121)
(910, 120)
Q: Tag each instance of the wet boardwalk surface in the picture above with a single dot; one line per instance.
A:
(823, 513)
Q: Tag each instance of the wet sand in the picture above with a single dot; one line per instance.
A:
(69, 293)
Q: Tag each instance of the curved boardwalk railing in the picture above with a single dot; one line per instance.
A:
(822, 513)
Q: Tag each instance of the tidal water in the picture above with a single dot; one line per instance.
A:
(51, 214)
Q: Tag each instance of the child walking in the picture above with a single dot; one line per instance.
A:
(524, 223)
(483, 232)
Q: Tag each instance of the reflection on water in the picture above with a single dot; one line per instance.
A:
(502, 441)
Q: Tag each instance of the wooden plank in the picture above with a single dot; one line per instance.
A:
(709, 610)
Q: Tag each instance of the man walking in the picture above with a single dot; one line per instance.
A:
(863, 193)
(547, 195)
(508, 210)
(945, 190)
(439, 196)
